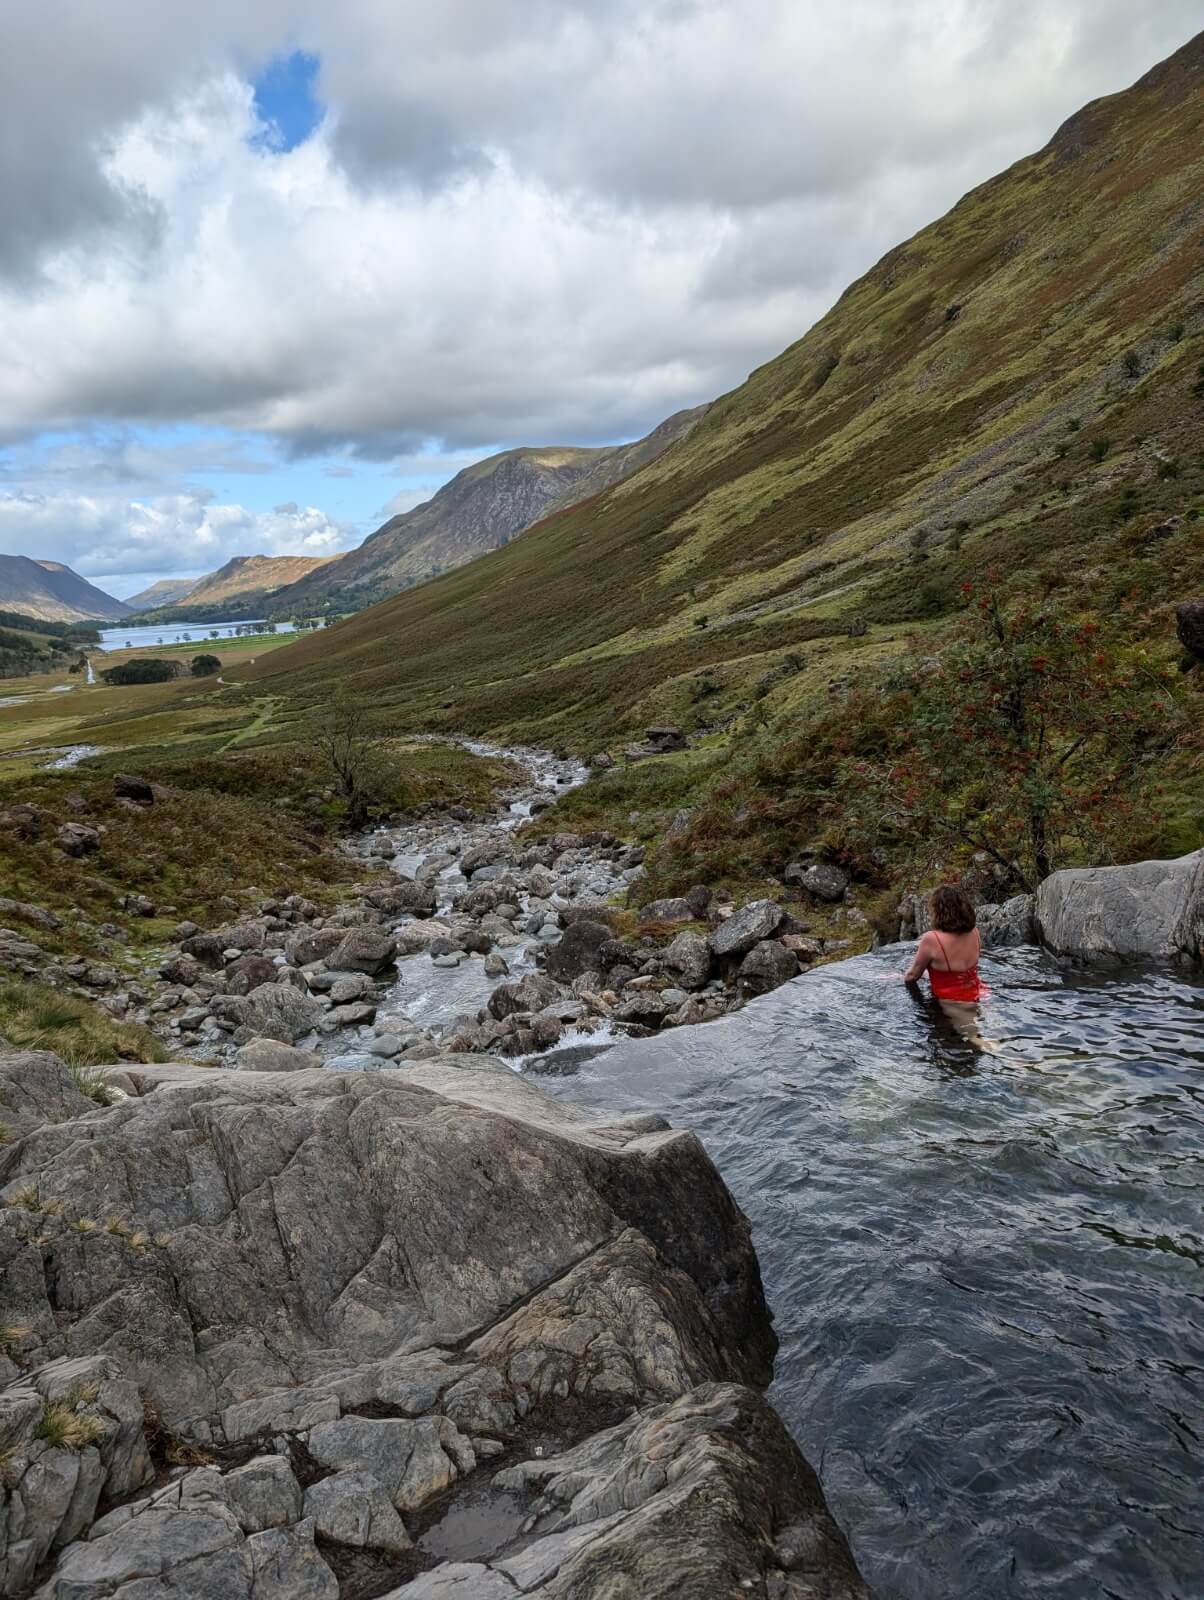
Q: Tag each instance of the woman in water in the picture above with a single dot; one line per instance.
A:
(949, 953)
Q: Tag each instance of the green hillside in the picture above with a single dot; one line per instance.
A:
(1019, 388)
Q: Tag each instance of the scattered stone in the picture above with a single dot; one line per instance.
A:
(745, 928)
(688, 958)
(248, 971)
(824, 881)
(352, 1508)
(77, 839)
(308, 945)
(364, 950)
(677, 909)
(354, 1015)
(20, 911)
(269, 1055)
(128, 787)
(1189, 620)
(766, 965)
(273, 1011)
(531, 993)
(349, 986)
(386, 1045)
(577, 950)
(495, 966)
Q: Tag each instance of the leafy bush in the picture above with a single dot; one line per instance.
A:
(1026, 741)
(149, 669)
(1099, 448)
(204, 666)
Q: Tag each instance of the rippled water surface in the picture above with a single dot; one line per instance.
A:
(987, 1270)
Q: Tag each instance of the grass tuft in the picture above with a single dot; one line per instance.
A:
(64, 1428)
(36, 1017)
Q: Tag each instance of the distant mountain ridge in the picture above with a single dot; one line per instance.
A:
(52, 592)
(244, 586)
(165, 592)
(480, 509)
(259, 574)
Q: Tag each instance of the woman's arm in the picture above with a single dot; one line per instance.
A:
(921, 961)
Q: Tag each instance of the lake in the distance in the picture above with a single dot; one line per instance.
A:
(198, 633)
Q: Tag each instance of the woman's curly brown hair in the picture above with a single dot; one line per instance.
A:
(952, 910)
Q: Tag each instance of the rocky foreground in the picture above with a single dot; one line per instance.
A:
(422, 1334)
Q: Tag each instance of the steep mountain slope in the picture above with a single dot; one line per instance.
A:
(51, 592)
(480, 509)
(166, 592)
(1019, 387)
(624, 459)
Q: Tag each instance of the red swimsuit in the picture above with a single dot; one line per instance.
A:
(964, 985)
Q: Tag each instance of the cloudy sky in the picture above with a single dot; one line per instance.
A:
(272, 269)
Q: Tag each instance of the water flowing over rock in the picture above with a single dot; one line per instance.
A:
(387, 1280)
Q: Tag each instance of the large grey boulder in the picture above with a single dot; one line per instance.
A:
(366, 950)
(824, 880)
(688, 959)
(577, 950)
(273, 1011)
(35, 1087)
(1149, 911)
(307, 945)
(531, 993)
(390, 1277)
(269, 1055)
(352, 1214)
(1006, 926)
(765, 967)
(352, 1509)
(735, 936)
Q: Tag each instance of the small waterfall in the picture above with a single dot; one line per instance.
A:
(88, 668)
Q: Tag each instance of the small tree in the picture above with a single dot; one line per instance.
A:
(1025, 740)
(352, 749)
(204, 666)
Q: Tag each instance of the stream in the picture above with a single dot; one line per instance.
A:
(985, 1269)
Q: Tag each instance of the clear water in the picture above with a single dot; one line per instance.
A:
(986, 1269)
(198, 632)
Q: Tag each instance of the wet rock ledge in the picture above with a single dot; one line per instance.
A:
(307, 1335)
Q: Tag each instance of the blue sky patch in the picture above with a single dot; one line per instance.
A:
(285, 99)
